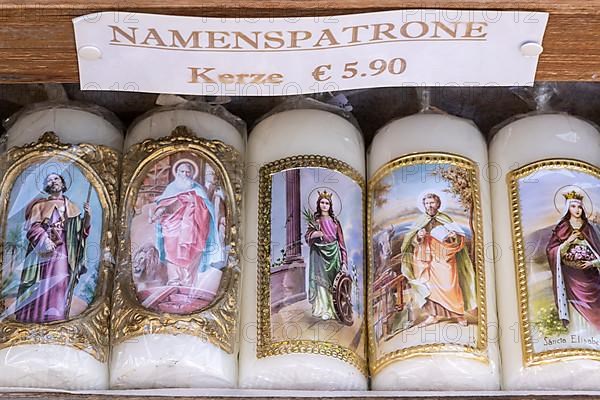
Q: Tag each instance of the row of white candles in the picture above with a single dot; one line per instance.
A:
(187, 361)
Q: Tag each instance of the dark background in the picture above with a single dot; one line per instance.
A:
(373, 108)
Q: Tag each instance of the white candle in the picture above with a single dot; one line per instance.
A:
(173, 357)
(207, 126)
(527, 140)
(43, 364)
(403, 356)
(72, 125)
(291, 313)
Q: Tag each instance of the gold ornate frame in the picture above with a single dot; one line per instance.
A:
(266, 347)
(477, 352)
(99, 164)
(217, 323)
(530, 357)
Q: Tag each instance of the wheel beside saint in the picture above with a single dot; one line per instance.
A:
(342, 298)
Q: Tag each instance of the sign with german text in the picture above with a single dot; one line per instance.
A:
(287, 56)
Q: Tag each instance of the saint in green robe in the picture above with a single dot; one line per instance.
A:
(327, 256)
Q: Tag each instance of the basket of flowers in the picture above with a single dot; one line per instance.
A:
(578, 255)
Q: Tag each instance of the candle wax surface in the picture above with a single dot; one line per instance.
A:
(286, 134)
(435, 133)
(168, 360)
(524, 141)
(57, 366)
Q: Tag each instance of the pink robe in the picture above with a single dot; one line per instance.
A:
(185, 229)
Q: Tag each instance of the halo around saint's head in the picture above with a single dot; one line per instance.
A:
(439, 193)
(335, 199)
(560, 199)
(186, 161)
(45, 169)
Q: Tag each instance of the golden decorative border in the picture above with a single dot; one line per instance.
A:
(89, 330)
(266, 347)
(529, 356)
(217, 323)
(477, 352)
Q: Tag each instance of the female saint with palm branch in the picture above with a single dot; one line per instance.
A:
(328, 255)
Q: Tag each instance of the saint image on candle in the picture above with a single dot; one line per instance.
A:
(573, 255)
(423, 250)
(328, 256)
(435, 256)
(560, 231)
(179, 265)
(49, 268)
(316, 258)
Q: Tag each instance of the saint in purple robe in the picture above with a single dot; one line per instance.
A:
(56, 231)
(576, 285)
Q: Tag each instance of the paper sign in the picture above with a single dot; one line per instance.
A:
(285, 56)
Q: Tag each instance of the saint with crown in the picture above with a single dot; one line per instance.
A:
(328, 255)
(573, 256)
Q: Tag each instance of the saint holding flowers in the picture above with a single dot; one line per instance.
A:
(573, 255)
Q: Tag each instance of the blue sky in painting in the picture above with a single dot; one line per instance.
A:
(408, 185)
(541, 199)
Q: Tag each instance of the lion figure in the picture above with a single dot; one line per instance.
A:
(148, 271)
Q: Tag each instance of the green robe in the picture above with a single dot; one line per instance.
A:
(325, 263)
(326, 260)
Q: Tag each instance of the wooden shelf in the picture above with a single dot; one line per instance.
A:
(37, 43)
(236, 394)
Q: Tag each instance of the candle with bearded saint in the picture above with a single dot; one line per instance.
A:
(303, 311)
(431, 299)
(546, 196)
(59, 205)
(175, 303)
